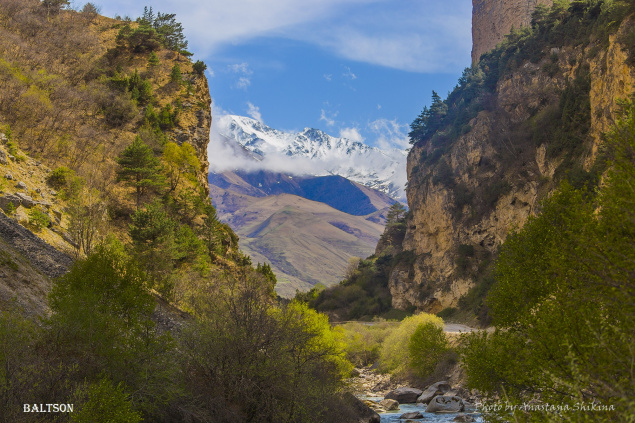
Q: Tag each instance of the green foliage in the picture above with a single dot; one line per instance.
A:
(262, 363)
(38, 219)
(396, 214)
(139, 40)
(426, 347)
(101, 320)
(17, 338)
(429, 121)
(199, 67)
(265, 270)
(104, 402)
(396, 356)
(118, 109)
(563, 297)
(447, 312)
(168, 117)
(363, 341)
(153, 60)
(139, 168)
(175, 74)
(11, 209)
(364, 295)
(140, 88)
(181, 161)
(60, 177)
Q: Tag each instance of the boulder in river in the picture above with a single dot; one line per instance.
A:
(411, 415)
(445, 404)
(432, 391)
(389, 404)
(404, 395)
(363, 413)
(464, 418)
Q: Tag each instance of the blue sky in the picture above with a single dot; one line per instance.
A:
(359, 68)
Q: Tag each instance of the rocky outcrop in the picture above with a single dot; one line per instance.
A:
(493, 19)
(41, 255)
(195, 126)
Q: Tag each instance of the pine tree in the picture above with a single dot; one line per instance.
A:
(139, 168)
(175, 74)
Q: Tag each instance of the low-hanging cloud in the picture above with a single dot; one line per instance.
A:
(226, 154)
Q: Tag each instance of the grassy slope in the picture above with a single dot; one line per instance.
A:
(305, 241)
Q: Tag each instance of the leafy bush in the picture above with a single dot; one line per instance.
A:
(103, 401)
(38, 219)
(426, 347)
(395, 352)
(447, 312)
(118, 110)
(363, 341)
(199, 67)
(60, 177)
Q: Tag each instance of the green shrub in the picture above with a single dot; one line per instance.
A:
(104, 402)
(175, 74)
(426, 347)
(38, 219)
(395, 354)
(118, 110)
(60, 177)
(363, 341)
(447, 312)
(199, 67)
(11, 208)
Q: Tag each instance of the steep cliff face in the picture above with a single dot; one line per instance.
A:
(493, 19)
(493, 176)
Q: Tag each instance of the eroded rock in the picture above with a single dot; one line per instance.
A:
(432, 391)
(445, 404)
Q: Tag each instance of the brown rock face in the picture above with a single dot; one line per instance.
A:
(450, 239)
(493, 19)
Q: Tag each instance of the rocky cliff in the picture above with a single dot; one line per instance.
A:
(493, 19)
(538, 122)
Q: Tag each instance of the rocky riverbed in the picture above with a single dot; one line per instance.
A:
(394, 402)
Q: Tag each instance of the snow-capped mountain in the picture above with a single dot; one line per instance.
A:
(310, 152)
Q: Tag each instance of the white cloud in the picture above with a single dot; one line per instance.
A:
(420, 36)
(243, 82)
(242, 68)
(348, 74)
(254, 111)
(352, 134)
(330, 121)
(328, 77)
(390, 134)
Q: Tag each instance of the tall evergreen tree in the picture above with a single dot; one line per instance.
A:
(139, 168)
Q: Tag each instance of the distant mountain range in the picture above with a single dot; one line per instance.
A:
(307, 228)
(305, 202)
(309, 152)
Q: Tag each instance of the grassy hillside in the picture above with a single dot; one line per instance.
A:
(306, 242)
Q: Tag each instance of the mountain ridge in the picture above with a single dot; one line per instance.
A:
(309, 152)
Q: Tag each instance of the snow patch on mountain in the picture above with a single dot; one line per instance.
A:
(243, 143)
